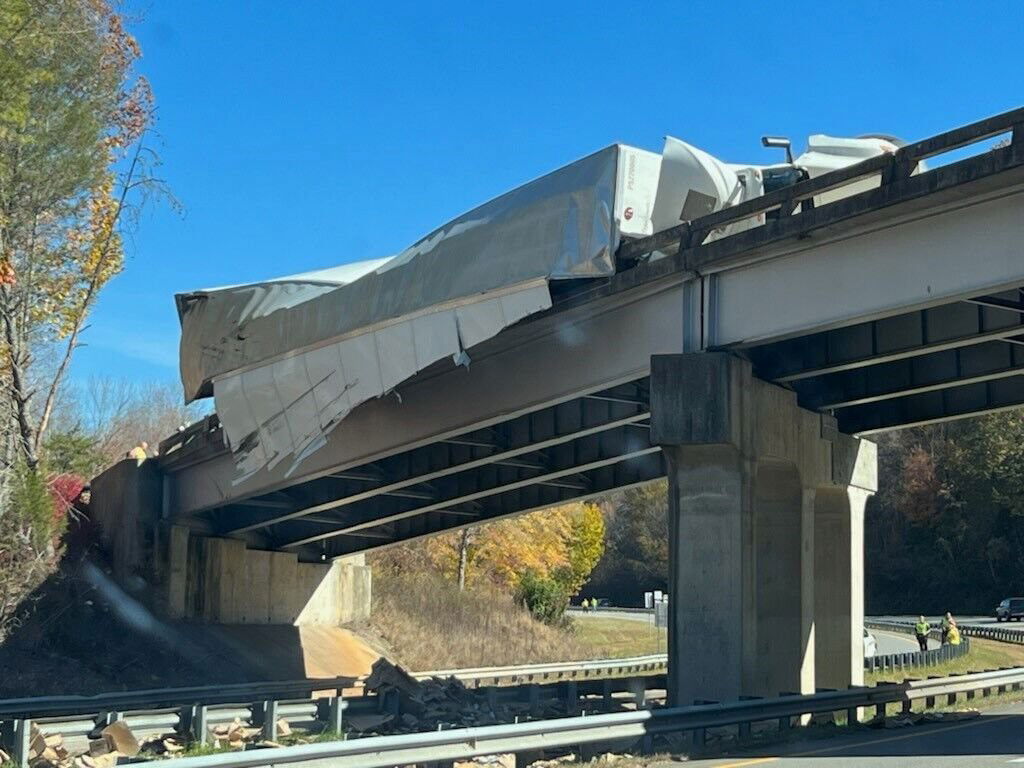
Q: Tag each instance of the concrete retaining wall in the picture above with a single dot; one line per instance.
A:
(229, 584)
(125, 506)
(215, 579)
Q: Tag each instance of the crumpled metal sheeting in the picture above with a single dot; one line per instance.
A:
(286, 409)
(560, 226)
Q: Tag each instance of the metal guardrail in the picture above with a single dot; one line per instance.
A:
(159, 698)
(632, 727)
(989, 633)
(198, 432)
(994, 633)
(186, 710)
(911, 659)
(193, 710)
(654, 663)
(793, 206)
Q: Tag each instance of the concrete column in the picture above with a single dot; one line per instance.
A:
(744, 464)
(783, 554)
(839, 585)
(741, 533)
(177, 571)
(709, 572)
(700, 406)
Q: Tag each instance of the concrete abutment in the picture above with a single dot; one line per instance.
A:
(192, 576)
(766, 564)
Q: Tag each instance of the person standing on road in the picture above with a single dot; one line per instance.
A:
(585, 604)
(946, 625)
(921, 630)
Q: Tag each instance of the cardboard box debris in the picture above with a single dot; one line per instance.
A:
(121, 738)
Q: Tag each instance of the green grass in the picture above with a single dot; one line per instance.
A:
(195, 749)
(615, 638)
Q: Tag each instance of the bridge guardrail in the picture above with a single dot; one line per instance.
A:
(894, 169)
(640, 726)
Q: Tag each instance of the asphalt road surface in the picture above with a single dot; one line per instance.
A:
(612, 613)
(888, 642)
(893, 642)
(968, 621)
(995, 738)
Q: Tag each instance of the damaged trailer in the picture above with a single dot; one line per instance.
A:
(287, 359)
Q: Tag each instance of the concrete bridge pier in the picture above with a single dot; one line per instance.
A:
(766, 518)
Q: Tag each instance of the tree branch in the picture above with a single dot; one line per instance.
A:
(90, 293)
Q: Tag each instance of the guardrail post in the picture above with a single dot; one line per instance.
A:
(700, 734)
(572, 696)
(22, 741)
(106, 718)
(606, 694)
(534, 692)
(268, 710)
(194, 720)
(328, 711)
(853, 713)
(929, 701)
(743, 730)
(639, 691)
(785, 723)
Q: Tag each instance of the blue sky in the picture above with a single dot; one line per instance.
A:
(308, 134)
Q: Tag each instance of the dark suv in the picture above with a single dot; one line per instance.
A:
(1010, 608)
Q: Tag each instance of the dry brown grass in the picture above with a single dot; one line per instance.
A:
(426, 623)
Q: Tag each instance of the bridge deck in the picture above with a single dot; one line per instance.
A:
(907, 307)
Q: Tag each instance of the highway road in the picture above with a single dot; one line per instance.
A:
(967, 621)
(888, 642)
(994, 738)
(894, 642)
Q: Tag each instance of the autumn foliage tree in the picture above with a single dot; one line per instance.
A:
(555, 550)
(73, 168)
(946, 529)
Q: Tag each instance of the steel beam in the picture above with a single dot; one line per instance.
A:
(377, 521)
(930, 407)
(928, 373)
(395, 488)
(617, 476)
(904, 354)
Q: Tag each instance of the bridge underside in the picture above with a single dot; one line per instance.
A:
(575, 449)
(950, 361)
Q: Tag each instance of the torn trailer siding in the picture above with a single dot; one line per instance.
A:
(288, 359)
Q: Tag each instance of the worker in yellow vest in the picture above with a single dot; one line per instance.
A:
(921, 630)
(139, 452)
(954, 634)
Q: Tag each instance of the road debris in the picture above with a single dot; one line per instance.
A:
(121, 738)
(427, 705)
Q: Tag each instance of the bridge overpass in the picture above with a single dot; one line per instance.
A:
(742, 368)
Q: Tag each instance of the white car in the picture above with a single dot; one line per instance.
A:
(870, 644)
